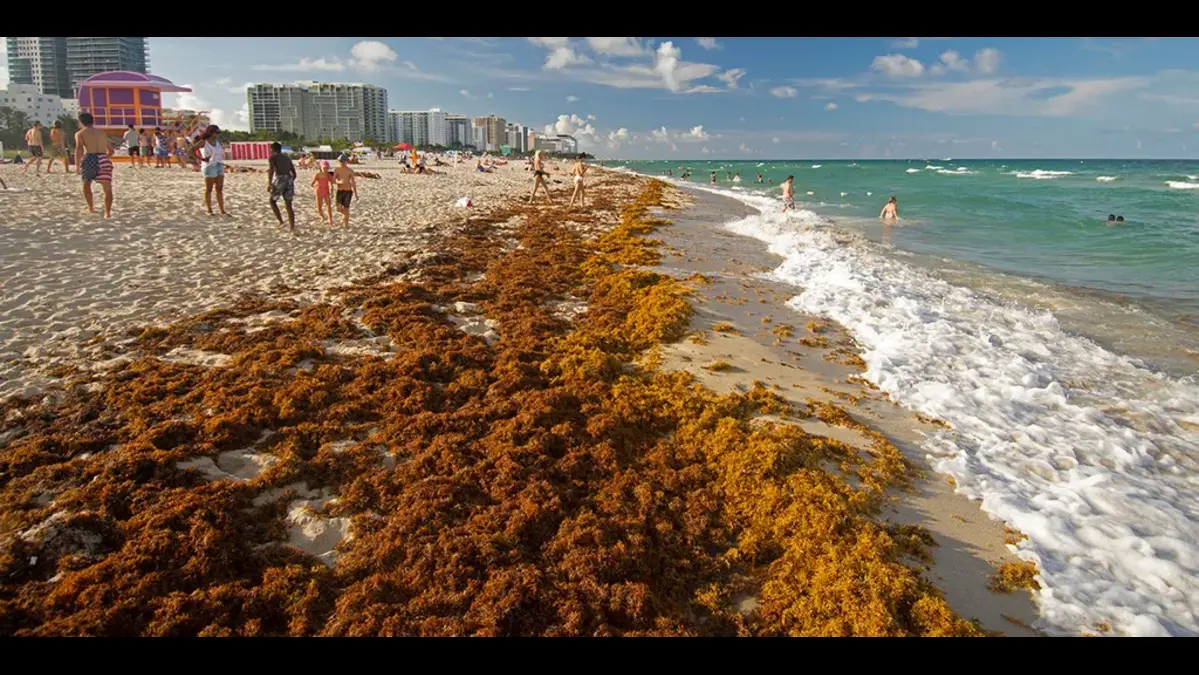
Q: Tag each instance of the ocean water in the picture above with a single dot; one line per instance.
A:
(1061, 350)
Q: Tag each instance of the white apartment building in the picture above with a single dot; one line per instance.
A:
(316, 110)
(458, 131)
(479, 139)
(567, 145)
(27, 98)
(418, 127)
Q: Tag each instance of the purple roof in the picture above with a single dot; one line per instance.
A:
(125, 78)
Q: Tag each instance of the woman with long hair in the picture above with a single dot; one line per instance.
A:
(539, 178)
(211, 153)
(579, 170)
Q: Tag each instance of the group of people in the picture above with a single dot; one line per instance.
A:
(36, 144)
(144, 145)
(541, 179)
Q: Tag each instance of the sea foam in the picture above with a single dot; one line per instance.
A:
(1090, 455)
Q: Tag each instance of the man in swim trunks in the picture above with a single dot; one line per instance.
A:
(146, 152)
(347, 188)
(281, 182)
(131, 144)
(93, 156)
(58, 141)
(162, 154)
(789, 194)
(33, 138)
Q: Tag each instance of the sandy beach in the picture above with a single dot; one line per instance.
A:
(69, 276)
(539, 421)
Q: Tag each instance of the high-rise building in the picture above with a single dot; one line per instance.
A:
(419, 127)
(57, 65)
(40, 62)
(87, 56)
(495, 128)
(316, 110)
(459, 131)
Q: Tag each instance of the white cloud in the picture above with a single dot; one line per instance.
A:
(696, 134)
(1052, 97)
(660, 134)
(572, 98)
(784, 92)
(906, 43)
(776, 140)
(897, 65)
(616, 138)
(520, 89)
(465, 93)
(831, 106)
(490, 95)
(564, 57)
(549, 42)
(704, 89)
(986, 61)
(995, 146)
(616, 46)
(707, 43)
(573, 125)
(706, 151)
(367, 56)
(674, 148)
(1138, 144)
(744, 148)
(731, 76)
(667, 70)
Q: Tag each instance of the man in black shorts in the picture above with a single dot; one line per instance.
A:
(132, 140)
(347, 188)
(281, 182)
(33, 138)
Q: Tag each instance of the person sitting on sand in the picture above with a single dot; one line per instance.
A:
(890, 210)
(347, 188)
(33, 138)
(789, 194)
(578, 171)
(323, 182)
(58, 141)
(539, 178)
(211, 155)
(93, 156)
(281, 182)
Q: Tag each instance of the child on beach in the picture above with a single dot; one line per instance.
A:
(281, 182)
(323, 182)
(789, 194)
(347, 188)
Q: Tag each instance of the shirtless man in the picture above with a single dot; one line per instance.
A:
(93, 156)
(789, 194)
(281, 183)
(58, 141)
(347, 188)
(33, 138)
(131, 145)
(890, 212)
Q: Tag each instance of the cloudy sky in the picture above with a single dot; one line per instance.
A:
(678, 97)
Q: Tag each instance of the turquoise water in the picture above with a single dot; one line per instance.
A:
(1028, 220)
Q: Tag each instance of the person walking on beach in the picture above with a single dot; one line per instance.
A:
(281, 182)
(146, 152)
(347, 188)
(323, 182)
(93, 156)
(131, 145)
(578, 171)
(33, 138)
(58, 141)
(162, 152)
(539, 176)
(211, 154)
(890, 210)
(789, 194)
(181, 149)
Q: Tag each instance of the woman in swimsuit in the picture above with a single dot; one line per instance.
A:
(578, 170)
(324, 197)
(539, 176)
(211, 153)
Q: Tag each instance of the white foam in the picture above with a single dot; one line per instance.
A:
(817, 166)
(1179, 185)
(912, 171)
(1106, 179)
(1040, 174)
(1079, 448)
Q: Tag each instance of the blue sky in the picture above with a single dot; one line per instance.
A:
(688, 97)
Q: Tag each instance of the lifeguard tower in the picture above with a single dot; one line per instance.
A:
(118, 98)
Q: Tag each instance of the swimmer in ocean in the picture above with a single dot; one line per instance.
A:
(890, 210)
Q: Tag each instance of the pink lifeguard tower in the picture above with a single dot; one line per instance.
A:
(119, 98)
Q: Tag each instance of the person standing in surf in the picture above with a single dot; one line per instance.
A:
(890, 212)
(789, 194)
(93, 156)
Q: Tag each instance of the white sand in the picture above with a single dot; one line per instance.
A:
(67, 276)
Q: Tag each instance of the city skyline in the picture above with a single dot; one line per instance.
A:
(700, 98)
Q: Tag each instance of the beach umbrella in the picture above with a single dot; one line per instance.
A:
(403, 146)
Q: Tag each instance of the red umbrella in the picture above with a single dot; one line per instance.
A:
(403, 146)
